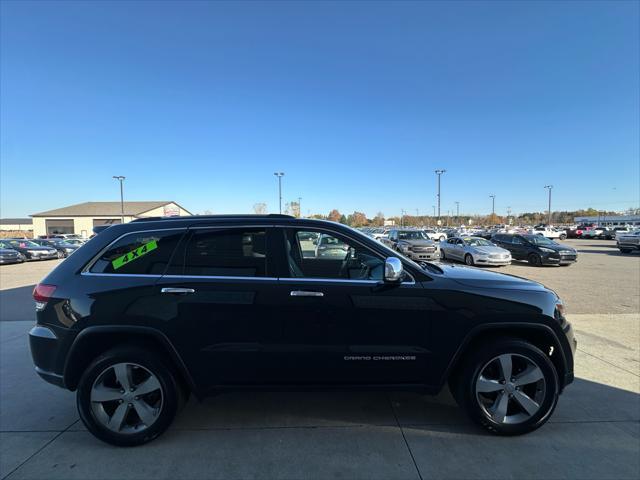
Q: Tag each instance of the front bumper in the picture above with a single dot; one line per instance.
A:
(496, 262)
(557, 259)
(43, 256)
(435, 255)
(8, 260)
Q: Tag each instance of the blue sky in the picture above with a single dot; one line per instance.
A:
(200, 102)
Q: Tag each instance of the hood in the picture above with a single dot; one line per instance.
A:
(490, 250)
(419, 243)
(479, 278)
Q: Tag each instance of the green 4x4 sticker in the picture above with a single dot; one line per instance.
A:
(134, 254)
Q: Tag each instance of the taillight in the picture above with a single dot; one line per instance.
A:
(42, 293)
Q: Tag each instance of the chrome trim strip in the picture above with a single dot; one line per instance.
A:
(144, 275)
(42, 332)
(220, 277)
(40, 371)
(305, 293)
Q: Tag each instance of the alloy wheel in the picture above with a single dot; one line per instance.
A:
(510, 389)
(126, 398)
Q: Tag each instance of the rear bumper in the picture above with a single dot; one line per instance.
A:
(44, 344)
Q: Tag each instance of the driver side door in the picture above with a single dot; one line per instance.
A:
(340, 323)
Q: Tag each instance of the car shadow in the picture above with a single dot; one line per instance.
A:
(16, 304)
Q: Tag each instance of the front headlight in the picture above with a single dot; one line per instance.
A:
(548, 250)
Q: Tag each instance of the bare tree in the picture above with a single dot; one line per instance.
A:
(260, 208)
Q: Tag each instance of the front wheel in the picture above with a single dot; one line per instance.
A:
(535, 260)
(509, 387)
(128, 396)
(468, 259)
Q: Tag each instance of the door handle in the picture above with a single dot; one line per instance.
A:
(306, 293)
(177, 290)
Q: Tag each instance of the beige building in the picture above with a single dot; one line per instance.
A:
(81, 218)
(16, 224)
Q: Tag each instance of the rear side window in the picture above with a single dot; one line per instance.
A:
(142, 253)
(228, 253)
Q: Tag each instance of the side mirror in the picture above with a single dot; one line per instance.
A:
(393, 269)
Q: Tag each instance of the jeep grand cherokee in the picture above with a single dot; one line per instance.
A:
(148, 312)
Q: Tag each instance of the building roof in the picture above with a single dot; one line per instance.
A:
(101, 209)
(15, 221)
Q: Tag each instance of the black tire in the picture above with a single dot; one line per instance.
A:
(464, 386)
(468, 259)
(625, 250)
(442, 238)
(535, 260)
(562, 236)
(172, 394)
(443, 256)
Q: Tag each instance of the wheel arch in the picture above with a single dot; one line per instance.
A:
(92, 341)
(542, 336)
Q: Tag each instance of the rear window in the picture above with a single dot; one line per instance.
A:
(228, 253)
(142, 253)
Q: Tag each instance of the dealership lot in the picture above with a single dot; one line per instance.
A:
(595, 432)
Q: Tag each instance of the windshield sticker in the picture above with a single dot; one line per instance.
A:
(134, 254)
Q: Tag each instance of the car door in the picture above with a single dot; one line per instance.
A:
(218, 298)
(345, 326)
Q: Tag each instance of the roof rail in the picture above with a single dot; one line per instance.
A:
(198, 217)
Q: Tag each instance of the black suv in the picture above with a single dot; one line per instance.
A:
(148, 312)
(536, 249)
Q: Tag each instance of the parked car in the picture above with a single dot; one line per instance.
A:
(435, 234)
(30, 250)
(63, 248)
(629, 242)
(622, 231)
(414, 244)
(536, 249)
(9, 255)
(594, 232)
(549, 232)
(329, 247)
(151, 311)
(474, 250)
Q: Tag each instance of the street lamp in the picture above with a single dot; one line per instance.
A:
(279, 175)
(493, 207)
(550, 187)
(439, 173)
(120, 178)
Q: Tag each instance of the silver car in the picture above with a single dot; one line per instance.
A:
(474, 250)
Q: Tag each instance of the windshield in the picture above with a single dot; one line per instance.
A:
(23, 244)
(539, 240)
(412, 235)
(477, 242)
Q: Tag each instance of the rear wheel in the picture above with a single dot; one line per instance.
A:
(509, 387)
(128, 396)
(442, 238)
(535, 260)
(468, 259)
(562, 236)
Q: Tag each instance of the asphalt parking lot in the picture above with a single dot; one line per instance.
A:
(594, 433)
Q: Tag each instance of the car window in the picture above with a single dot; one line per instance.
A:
(239, 252)
(517, 240)
(451, 241)
(332, 257)
(141, 253)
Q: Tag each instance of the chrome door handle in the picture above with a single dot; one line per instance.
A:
(306, 293)
(177, 290)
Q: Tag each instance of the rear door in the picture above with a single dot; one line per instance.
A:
(218, 298)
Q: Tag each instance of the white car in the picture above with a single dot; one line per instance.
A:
(549, 232)
(435, 235)
(623, 231)
(474, 251)
(629, 242)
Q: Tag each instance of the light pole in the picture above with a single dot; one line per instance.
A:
(299, 207)
(434, 210)
(402, 213)
(508, 215)
(493, 207)
(457, 211)
(120, 178)
(279, 175)
(439, 173)
(550, 187)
